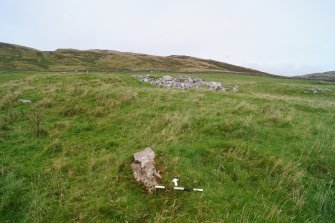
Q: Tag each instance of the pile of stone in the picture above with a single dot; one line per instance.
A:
(316, 90)
(183, 83)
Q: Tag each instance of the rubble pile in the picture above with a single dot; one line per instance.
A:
(183, 83)
(316, 90)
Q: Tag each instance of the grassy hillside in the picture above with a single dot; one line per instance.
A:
(19, 57)
(326, 76)
(264, 154)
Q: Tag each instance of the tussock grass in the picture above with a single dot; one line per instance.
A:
(265, 154)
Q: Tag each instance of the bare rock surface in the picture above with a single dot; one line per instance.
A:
(183, 83)
(144, 169)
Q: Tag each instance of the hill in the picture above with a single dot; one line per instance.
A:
(20, 57)
(263, 154)
(326, 76)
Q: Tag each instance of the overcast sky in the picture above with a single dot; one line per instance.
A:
(285, 37)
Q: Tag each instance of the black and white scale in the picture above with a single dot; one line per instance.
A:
(175, 187)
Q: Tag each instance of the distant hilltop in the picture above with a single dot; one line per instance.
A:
(25, 58)
(16, 57)
(326, 76)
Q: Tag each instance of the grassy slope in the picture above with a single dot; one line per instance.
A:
(19, 57)
(327, 76)
(265, 154)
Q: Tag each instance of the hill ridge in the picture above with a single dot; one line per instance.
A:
(21, 57)
(325, 76)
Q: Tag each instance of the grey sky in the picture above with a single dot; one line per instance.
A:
(283, 37)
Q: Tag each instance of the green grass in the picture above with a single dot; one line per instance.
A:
(265, 154)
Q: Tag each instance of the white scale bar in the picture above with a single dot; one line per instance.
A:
(179, 188)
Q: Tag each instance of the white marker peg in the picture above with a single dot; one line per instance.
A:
(175, 181)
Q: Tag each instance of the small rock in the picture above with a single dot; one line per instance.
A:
(235, 88)
(25, 101)
(167, 78)
(216, 86)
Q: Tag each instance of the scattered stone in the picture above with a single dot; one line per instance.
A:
(216, 86)
(144, 169)
(316, 90)
(182, 83)
(235, 88)
(25, 101)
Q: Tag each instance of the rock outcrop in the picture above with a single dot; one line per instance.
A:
(144, 169)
